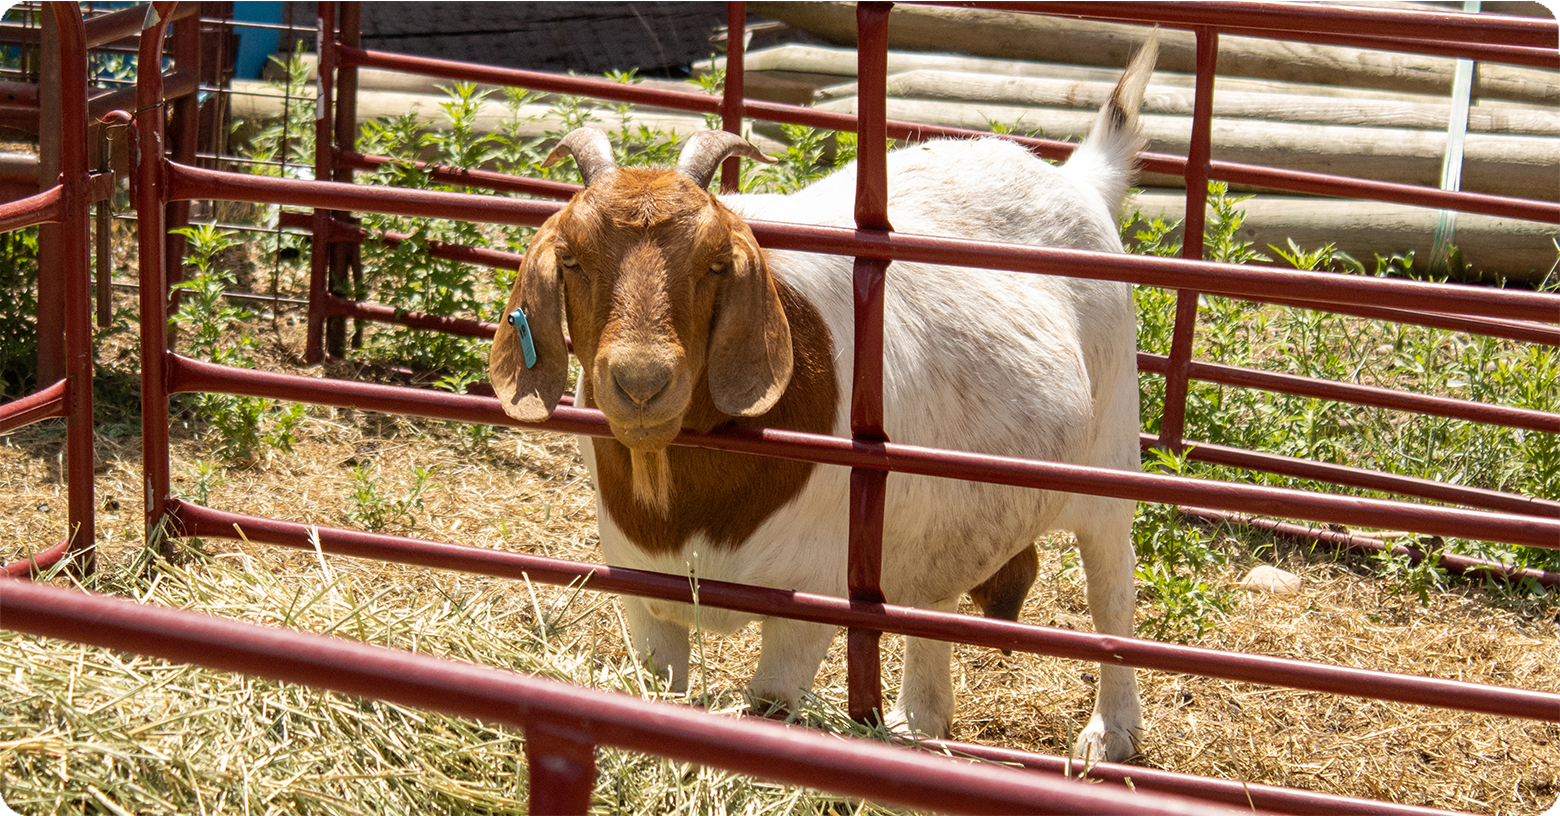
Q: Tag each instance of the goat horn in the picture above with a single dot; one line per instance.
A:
(591, 151)
(706, 149)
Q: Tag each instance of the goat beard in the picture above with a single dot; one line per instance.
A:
(652, 479)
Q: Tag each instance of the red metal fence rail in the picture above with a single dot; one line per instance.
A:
(558, 727)
(65, 342)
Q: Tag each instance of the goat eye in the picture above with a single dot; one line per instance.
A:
(565, 259)
(719, 267)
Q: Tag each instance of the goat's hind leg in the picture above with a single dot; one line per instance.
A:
(1104, 532)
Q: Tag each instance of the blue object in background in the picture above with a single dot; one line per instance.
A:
(255, 45)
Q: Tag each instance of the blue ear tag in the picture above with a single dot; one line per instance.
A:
(517, 319)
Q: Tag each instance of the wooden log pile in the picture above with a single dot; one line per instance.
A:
(1342, 111)
(1328, 109)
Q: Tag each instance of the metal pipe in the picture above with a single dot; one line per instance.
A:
(488, 179)
(732, 92)
(1254, 283)
(186, 375)
(75, 268)
(868, 487)
(148, 192)
(1370, 480)
(1243, 795)
(45, 403)
(1356, 394)
(754, 747)
(924, 623)
(1172, 423)
(337, 306)
(1451, 562)
(1298, 20)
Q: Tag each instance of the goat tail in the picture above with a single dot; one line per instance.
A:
(1107, 159)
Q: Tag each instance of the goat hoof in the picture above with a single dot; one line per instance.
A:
(1098, 743)
(902, 723)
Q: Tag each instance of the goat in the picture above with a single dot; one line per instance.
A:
(680, 321)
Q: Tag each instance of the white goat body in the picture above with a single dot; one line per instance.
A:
(1016, 364)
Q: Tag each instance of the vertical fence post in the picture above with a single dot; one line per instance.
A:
(562, 765)
(346, 258)
(867, 485)
(68, 65)
(326, 335)
(151, 230)
(1172, 427)
(732, 92)
(51, 288)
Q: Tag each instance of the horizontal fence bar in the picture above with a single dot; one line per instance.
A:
(1171, 273)
(336, 306)
(1519, 330)
(1252, 283)
(185, 182)
(1291, 180)
(192, 375)
(1290, 19)
(503, 182)
(37, 562)
(1357, 394)
(1243, 795)
(342, 232)
(1300, 181)
(1452, 562)
(750, 746)
(42, 208)
(45, 403)
(195, 520)
(1365, 479)
(533, 80)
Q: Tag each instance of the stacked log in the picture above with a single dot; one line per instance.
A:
(254, 101)
(1038, 38)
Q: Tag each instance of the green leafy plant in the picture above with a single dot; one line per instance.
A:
(1174, 565)
(209, 328)
(18, 312)
(1411, 578)
(1337, 347)
(375, 510)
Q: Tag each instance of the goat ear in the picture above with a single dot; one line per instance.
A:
(750, 339)
(530, 393)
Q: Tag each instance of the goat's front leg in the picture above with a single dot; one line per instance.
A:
(788, 660)
(661, 645)
(1115, 730)
(925, 703)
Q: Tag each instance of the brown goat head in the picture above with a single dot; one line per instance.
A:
(674, 317)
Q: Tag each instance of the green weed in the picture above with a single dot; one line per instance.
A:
(209, 328)
(375, 510)
(1331, 346)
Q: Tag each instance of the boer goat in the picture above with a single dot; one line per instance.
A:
(681, 321)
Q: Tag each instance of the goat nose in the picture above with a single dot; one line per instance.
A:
(641, 382)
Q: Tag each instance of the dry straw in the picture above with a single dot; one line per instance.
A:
(93, 731)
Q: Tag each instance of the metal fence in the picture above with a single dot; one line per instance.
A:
(564, 725)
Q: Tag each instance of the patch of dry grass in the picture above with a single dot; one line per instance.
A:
(88, 730)
(134, 730)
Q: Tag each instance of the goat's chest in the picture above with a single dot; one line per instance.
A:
(750, 519)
